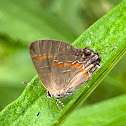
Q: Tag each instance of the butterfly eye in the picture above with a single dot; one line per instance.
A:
(87, 53)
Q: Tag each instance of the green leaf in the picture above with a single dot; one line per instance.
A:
(110, 112)
(27, 21)
(108, 30)
(22, 22)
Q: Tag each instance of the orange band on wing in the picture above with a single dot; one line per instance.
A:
(81, 70)
(44, 57)
(61, 64)
(87, 74)
(37, 57)
(85, 70)
(51, 56)
(55, 63)
(40, 57)
(76, 64)
(68, 64)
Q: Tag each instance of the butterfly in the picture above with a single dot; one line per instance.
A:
(61, 67)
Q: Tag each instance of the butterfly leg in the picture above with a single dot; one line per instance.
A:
(58, 101)
(69, 93)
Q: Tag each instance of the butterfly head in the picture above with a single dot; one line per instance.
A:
(91, 56)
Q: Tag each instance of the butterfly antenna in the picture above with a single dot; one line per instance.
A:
(50, 109)
(106, 47)
(107, 52)
(30, 84)
(88, 44)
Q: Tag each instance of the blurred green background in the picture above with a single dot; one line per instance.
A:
(22, 22)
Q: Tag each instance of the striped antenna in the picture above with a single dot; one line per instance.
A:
(106, 47)
(30, 84)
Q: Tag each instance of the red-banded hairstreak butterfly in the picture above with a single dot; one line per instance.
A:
(61, 67)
